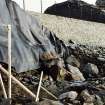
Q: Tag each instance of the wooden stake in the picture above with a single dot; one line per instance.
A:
(49, 93)
(17, 82)
(24, 7)
(25, 88)
(38, 91)
(41, 5)
(3, 88)
(9, 61)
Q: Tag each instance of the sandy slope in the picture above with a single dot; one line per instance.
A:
(83, 32)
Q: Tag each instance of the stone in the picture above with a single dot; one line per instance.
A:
(26, 80)
(72, 95)
(61, 74)
(4, 101)
(88, 104)
(73, 61)
(98, 101)
(91, 70)
(87, 97)
(101, 59)
(50, 102)
(75, 73)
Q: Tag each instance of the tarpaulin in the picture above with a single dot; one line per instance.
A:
(28, 39)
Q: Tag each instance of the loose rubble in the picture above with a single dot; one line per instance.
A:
(80, 80)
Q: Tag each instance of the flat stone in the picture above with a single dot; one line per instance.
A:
(73, 61)
(75, 73)
(50, 102)
(72, 95)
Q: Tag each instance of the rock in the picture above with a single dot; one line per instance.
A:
(73, 46)
(26, 80)
(52, 88)
(87, 97)
(100, 95)
(91, 70)
(101, 59)
(76, 102)
(50, 102)
(72, 95)
(98, 101)
(75, 73)
(88, 104)
(73, 61)
(62, 74)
